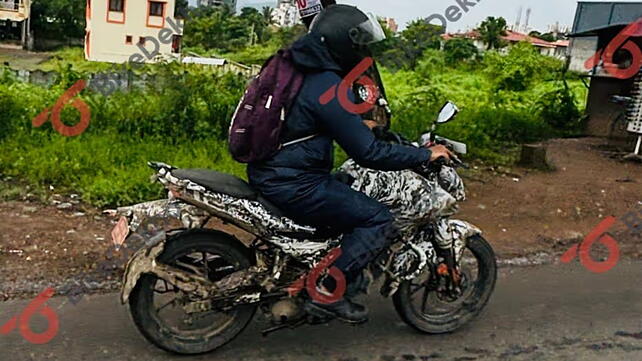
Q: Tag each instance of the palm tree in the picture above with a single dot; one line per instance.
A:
(267, 15)
(491, 30)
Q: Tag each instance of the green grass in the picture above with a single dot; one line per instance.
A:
(107, 169)
(182, 119)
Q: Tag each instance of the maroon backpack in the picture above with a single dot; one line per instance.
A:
(256, 125)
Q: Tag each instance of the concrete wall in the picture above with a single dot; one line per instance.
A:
(107, 32)
(602, 113)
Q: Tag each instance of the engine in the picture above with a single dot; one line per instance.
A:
(286, 310)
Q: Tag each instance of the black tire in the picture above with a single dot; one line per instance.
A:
(471, 305)
(180, 247)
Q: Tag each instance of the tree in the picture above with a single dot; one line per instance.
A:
(548, 37)
(459, 49)
(267, 13)
(256, 22)
(491, 30)
(217, 28)
(419, 36)
(535, 34)
(58, 19)
(181, 9)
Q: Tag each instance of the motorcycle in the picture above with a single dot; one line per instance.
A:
(215, 283)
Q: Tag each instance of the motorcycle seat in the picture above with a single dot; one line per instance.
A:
(226, 184)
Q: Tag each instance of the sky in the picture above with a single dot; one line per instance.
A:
(544, 12)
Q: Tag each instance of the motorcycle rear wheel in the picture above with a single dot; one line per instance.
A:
(475, 297)
(221, 255)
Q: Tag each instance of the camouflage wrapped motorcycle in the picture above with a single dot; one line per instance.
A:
(192, 289)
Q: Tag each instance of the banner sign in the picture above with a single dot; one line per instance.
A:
(309, 7)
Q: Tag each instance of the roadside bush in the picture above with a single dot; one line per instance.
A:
(559, 109)
(520, 68)
(181, 118)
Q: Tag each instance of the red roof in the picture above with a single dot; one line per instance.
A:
(563, 43)
(513, 37)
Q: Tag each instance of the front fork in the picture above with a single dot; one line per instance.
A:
(427, 256)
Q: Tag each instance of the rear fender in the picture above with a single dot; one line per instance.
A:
(145, 261)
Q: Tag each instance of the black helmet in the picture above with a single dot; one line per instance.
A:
(347, 32)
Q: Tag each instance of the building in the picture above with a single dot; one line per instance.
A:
(391, 23)
(286, 14)
(14, 21)
(120, 31)
(230, 3)
(555, 49)
(596, 25)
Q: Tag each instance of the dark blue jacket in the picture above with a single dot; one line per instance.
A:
(297, 169)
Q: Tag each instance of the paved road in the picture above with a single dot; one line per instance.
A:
(555, 312)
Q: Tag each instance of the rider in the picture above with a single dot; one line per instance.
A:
(298, 178)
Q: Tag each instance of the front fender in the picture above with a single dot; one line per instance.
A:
(462, 231)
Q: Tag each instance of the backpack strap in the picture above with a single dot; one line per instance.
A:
(297, 141)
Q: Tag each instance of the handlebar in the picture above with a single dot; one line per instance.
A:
(453, 162)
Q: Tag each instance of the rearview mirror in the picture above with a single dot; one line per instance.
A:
(447, 113)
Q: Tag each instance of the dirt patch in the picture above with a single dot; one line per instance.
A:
(22, 59)
(522, 212)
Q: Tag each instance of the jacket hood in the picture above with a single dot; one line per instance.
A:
(310, 54)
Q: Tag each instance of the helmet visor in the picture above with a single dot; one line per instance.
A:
(368, 32)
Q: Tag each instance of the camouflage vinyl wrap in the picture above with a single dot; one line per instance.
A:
(251, 216)
(418, 204)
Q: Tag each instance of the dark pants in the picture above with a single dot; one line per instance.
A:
(365, 223)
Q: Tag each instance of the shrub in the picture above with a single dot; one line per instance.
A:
(520, 68)
(558, 108)
(458, 50)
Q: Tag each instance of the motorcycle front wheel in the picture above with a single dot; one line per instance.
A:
(422, 308)
(156, 306)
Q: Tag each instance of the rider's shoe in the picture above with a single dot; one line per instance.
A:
(359, 285)
(344, 310)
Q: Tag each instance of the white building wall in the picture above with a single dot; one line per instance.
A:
(107, 32)
(286, 14)
(9, 12)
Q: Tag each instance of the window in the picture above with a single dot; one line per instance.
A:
(156, 8)
(11, 5)
(141, 40)
(117, 5)
(176, 43)
(128, 39)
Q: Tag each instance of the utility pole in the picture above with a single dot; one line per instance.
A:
(252, 35)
